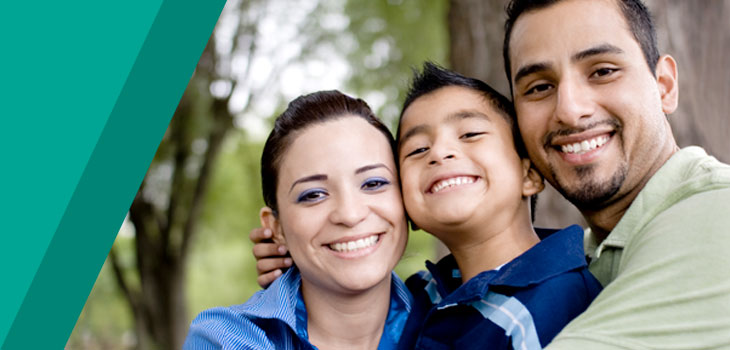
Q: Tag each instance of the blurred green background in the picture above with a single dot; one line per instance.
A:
(184, 245)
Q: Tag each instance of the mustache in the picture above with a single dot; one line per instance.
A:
(567, 131)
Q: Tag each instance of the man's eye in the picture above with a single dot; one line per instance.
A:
(374, 183)
(472, 134)
(310, 196)
(417, 151)
(539, 88)
(602, 72)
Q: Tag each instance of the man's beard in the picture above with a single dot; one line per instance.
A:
(590, 194)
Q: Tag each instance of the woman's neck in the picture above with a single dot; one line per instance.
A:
(346, 321)
(488, 250)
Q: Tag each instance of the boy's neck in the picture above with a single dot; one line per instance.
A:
(493, 250)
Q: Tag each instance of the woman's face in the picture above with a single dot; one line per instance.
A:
(340, 209)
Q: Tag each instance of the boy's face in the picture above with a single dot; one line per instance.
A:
(459, 167)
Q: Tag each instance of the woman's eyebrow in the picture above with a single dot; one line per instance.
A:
(371, 167)
(316, 177)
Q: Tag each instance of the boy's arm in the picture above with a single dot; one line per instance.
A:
(673, 287)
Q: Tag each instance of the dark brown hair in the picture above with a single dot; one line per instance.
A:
(303, 112)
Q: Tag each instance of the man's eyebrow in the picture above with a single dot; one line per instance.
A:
(418, 129)
(596, 50)
(530, 69)
(363, 169)
(317, 177)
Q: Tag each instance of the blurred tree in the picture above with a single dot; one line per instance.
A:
(696, 33)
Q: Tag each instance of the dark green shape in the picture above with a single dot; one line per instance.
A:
(113, 174)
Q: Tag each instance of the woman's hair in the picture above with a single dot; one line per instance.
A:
(303, 112)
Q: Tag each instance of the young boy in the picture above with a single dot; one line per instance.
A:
(467, 180)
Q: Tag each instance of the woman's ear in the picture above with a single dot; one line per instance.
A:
(532, 181)
(269, 220)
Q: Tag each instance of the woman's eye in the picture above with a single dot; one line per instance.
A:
(310, 196)
(375, 183)
(417, 151)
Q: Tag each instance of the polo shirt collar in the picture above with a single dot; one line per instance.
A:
(563, 248)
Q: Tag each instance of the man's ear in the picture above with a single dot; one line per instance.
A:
(269, 220)
(668, 83)
(532, 181)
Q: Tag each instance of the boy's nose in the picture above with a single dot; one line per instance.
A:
(442, 158)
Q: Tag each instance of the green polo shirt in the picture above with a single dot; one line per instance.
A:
(665, 266)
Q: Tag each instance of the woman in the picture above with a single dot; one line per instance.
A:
(332, 198)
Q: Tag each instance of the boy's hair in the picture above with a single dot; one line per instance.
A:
(434, 77)
(635, 13)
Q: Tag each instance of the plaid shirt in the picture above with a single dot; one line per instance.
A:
(522, 305)
(275, 318)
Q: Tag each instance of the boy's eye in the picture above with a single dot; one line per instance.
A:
(472, 134)
(417, 151)
(312, 195)
(374, 183)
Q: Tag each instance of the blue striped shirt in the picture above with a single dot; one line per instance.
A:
(522, 305)
(275, 318)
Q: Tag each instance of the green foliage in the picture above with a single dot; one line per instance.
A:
(393, 36)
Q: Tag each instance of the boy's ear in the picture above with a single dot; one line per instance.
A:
(269, 220)
(532, 181)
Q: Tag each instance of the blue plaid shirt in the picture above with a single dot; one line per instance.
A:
(522, 305)
(275, 318)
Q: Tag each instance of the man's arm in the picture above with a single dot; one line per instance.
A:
(271, 258)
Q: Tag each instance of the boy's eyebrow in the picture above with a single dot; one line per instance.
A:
(581, 55)
(317, 177)
(466, 114)
(418, 129)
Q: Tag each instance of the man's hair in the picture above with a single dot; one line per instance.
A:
(434, 77)
(634, 11)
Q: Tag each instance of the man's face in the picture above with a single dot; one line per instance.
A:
(590, 111)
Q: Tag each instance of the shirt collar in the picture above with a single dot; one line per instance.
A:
(562, 249)
(283, 301)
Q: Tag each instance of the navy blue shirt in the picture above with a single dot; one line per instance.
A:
(522, 305)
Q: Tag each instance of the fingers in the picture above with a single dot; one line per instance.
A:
(268, 250)
(259, 235)
(270, 269)
(266, 279)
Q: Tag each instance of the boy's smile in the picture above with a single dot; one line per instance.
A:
(459, 168)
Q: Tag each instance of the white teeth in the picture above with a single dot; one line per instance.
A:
(585, 145)
(454, 181)
(354, 245)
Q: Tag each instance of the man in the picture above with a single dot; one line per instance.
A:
(591, 95)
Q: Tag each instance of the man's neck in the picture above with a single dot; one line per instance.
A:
(602, 221)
